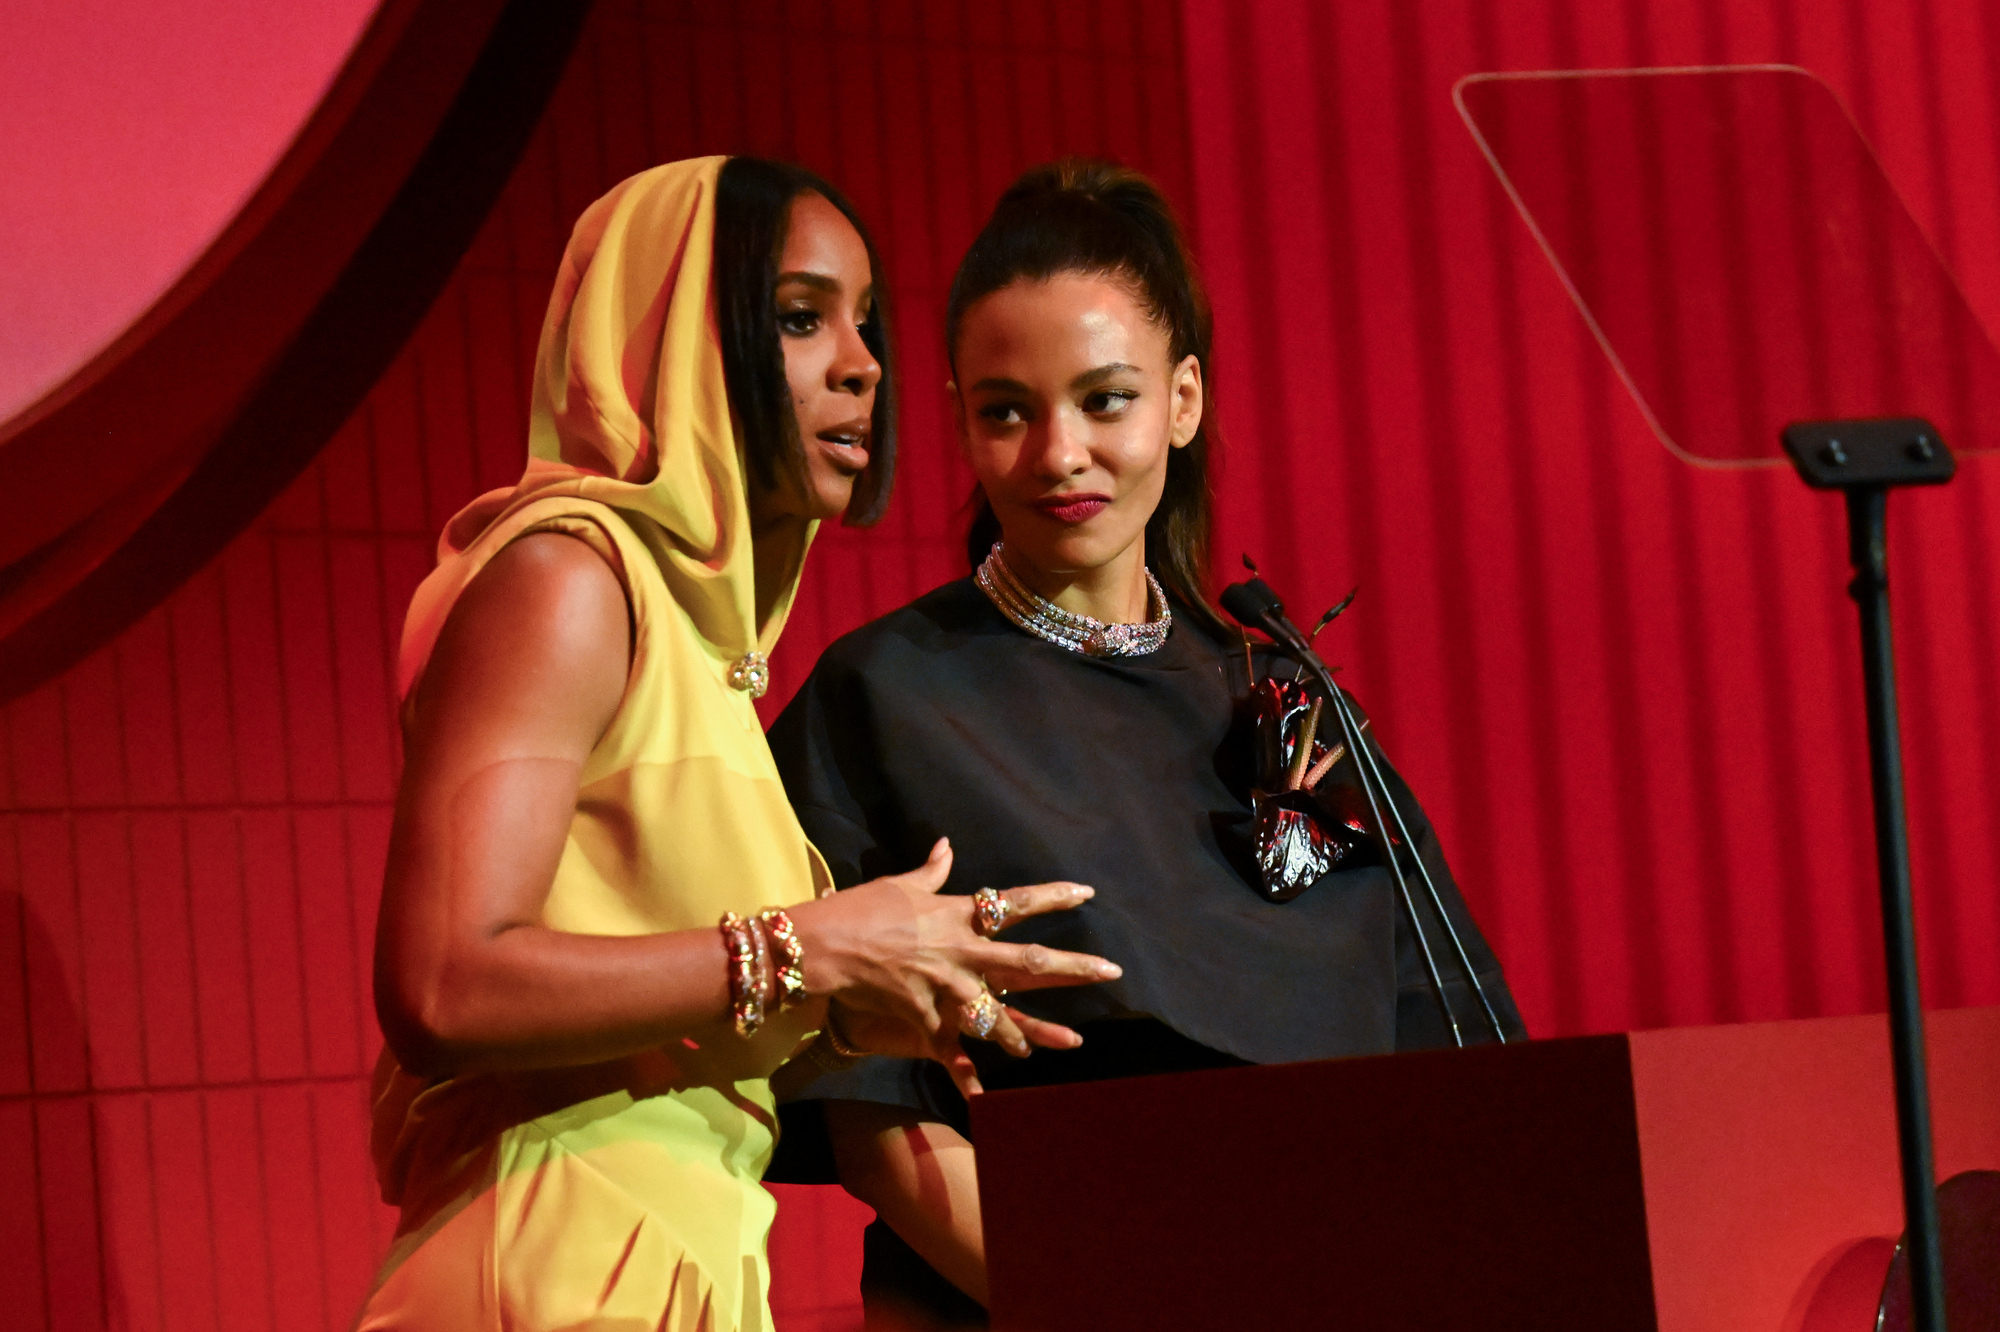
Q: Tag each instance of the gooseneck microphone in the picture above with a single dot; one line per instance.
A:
(1254, 605)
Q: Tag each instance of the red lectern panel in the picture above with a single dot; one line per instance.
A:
(1770, 1155)
(1494, 1188)
(1709, 1180)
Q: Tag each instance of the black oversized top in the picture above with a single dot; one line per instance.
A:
(1129, 774)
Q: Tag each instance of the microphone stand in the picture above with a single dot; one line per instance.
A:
(1255, 606)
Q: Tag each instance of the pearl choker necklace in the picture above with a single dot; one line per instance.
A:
(1066, 629)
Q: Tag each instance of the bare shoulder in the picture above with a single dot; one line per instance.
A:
(549, 567)
(538, 641)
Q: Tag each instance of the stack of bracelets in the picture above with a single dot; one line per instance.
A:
(766, 967)
(767, 973)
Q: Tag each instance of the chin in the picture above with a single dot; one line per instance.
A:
(830, 501)
(1070, 551)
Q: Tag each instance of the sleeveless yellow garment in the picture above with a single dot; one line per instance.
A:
(621, 1195)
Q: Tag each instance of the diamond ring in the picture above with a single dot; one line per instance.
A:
(990, 912)
(980, 1016)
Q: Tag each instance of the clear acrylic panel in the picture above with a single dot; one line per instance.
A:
(1737, 250)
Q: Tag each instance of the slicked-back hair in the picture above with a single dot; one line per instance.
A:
(1100, 219)
(753, 202)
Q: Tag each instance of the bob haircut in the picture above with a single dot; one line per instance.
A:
(753, 200)
(1100, 219)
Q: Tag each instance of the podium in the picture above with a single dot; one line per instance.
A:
(1694, 1180)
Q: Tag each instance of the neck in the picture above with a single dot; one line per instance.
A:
(774, 549)
(1114, 593)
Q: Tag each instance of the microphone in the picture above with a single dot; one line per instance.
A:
(1252, 604)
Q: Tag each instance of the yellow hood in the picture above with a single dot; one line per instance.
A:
(631, 410)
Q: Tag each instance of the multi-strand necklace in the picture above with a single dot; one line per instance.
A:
(1079, 633)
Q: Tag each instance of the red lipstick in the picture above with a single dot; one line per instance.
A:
(1073, 509)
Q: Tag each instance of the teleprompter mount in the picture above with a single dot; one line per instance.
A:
(1865, 459)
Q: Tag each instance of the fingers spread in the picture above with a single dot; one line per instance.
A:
(1052, 966)
(1003, 979)
(1040, 898)
(931, 875)
(1048, 1035)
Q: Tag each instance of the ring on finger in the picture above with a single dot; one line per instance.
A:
(980, 1016)
(990, 912)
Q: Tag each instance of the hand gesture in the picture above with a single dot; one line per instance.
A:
(908, 969)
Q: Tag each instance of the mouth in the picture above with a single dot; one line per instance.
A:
(846, 445)
(1073, 509)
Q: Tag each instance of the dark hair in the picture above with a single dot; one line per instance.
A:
(753, 200)
(1102, 219)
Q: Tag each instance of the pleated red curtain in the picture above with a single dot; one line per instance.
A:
(1627, 689)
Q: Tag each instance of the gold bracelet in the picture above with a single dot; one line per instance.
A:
(839, 1043)
(747, 978)
(790, 955)
(822, 1056)
(760, 948)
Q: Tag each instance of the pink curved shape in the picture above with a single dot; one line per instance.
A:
(132, 134)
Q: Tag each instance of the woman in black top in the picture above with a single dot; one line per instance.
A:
(1076, 710)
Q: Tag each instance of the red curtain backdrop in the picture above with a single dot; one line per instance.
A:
(1626, 689)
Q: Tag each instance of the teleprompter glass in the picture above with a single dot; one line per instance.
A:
(1738, 252)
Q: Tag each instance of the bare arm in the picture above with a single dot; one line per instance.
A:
(919, 1176)
(527, 674)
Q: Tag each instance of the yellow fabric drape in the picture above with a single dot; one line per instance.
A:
(631, 411)
(622, 1194)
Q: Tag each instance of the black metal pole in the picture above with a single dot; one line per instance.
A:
(1351, 737)
(1868, 541)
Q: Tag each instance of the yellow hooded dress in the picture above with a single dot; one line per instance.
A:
(621, 1195)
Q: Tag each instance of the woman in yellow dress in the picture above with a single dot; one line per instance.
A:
(602, 929)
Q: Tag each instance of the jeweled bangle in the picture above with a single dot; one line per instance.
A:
(760, 944)
(746, 988)
(825, 1058)
(790, 956)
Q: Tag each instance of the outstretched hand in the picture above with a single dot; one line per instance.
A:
(904, 963)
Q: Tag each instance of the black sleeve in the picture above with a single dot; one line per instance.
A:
(824, 746)
(825, 750)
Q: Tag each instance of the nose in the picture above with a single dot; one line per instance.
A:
(853, 368)
(1064, 450)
